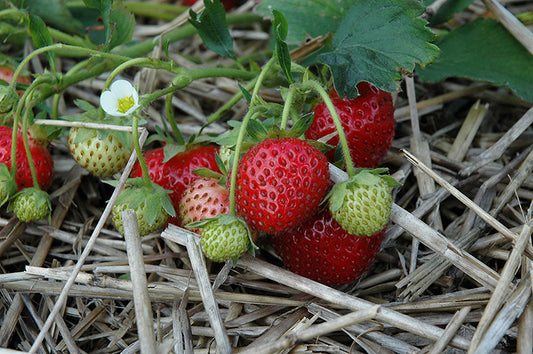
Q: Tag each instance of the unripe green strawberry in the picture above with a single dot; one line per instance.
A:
(152, 206)
(100, 152)
(362, 204)
(30, 204)
(224, 237)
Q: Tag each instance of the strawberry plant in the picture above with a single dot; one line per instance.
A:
(270, 131)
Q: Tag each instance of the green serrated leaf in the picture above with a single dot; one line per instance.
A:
(280, 28)
(41, 37)
(213, 29)
(483, 50)
(366, 46)
(307, 17)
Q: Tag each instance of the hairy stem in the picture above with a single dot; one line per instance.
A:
(338, 125)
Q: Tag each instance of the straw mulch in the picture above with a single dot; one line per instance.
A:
(454, 273)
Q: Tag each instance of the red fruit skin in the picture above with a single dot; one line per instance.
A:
(6, 74)
(176, 174)
(228, 4)
(203, 198)
(44, 164)
(321, 250)
(280, 184)
(368, 122)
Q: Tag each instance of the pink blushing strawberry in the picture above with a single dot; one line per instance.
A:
(321, 250)
(203, 198)
(177, 173)
(368, 122)
(280, 183)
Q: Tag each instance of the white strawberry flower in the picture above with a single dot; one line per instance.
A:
(120, 100)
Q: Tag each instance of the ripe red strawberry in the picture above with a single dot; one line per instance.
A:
(228, 4)
(280, 183)
(321, 250)
(6, 74)
(368, 122)
(44, 165)
(203, 198)
(176, 174)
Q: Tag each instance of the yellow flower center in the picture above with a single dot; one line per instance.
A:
(125, 103)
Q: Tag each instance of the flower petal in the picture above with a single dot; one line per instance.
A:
(109, 103)
(123, 88)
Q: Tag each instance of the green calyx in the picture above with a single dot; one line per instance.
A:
(152, 206)
(362, 204)
(30, 204)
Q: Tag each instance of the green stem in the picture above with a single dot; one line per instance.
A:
(251, 114)
(287, 107)
(260, 80)
(338, 125)
(172, 121)
(58, 46)
(138, 151)
(128, 64)
(55, 106)
(27, 146)
(18, 110)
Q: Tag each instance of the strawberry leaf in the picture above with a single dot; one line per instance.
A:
(41, 37)
(213, 29)
(483, 50)
(307, 17)
(366, 45)
(119, 22)
(280, 27)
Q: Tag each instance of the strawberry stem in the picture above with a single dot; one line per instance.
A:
(251, 114)
(338, 125)
(138, 151)
(287, 107)
(170, 116)
(27, 147)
